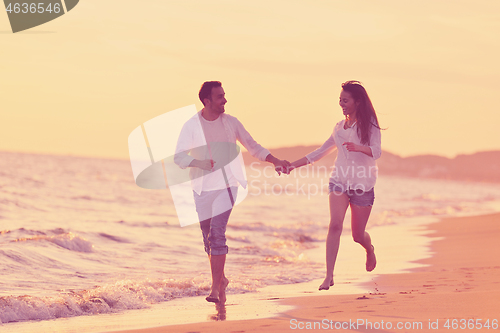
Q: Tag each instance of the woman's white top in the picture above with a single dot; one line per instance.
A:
(352, 170)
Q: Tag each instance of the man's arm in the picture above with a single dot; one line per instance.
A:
(257, 150)
(185, 144)
(202, 164)
(183, 147)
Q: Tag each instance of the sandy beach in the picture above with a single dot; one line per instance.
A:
(458, 289)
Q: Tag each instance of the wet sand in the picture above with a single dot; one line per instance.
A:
(459, 289)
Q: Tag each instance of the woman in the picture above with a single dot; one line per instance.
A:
(357, 139)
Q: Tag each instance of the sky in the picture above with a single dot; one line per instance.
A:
(79, 85)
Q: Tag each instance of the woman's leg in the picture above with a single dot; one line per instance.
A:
(359, 219)
(338, 206)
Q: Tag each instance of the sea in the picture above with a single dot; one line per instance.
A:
(78, 237)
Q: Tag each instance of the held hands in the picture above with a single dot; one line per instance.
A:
(283, 166)
(279, 165)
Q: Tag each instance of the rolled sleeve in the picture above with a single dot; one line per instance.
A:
(184, 145)
(183, 160)
(376, 142)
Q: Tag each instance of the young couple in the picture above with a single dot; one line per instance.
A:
(357, 139)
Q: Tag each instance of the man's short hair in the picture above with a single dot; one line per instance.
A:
(206, 90)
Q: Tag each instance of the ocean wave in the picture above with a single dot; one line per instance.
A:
(142, 224)
(391, 217)
(276, 227)
(82, 197)
(123, 295)
(114, 238)
(301, 238)
(68, 241)
(15, 203)
(110, 200)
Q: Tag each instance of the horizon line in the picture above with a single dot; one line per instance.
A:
(243, 150)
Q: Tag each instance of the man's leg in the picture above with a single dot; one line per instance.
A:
(224, 282)
(217, 263)
(218, 251)
(218, 248)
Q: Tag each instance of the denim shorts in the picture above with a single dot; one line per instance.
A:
(356, 197)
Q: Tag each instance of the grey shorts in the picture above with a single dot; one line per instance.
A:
(214, 208)
(356, 197)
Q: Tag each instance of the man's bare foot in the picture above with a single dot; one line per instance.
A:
(371, 260)
(327, 283)
(212, 298)
(222, 290)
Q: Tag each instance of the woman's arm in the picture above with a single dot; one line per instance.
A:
(373, 150)
(322, 151)
(316, 155)
(375, 142)
(357, 148)
(298, 163)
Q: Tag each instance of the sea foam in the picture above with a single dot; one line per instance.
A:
(110, 298)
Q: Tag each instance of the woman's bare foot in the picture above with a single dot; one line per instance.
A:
(222, 290)
(371, 260)
(327, 283)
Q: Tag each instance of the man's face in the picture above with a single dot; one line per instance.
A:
(218, 100)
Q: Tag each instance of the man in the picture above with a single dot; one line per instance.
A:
(207, 144)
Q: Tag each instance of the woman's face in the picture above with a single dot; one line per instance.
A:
(347, 103)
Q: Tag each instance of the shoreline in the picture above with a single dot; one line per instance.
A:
(459, 285)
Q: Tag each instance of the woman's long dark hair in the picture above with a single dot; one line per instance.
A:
(365, 113)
